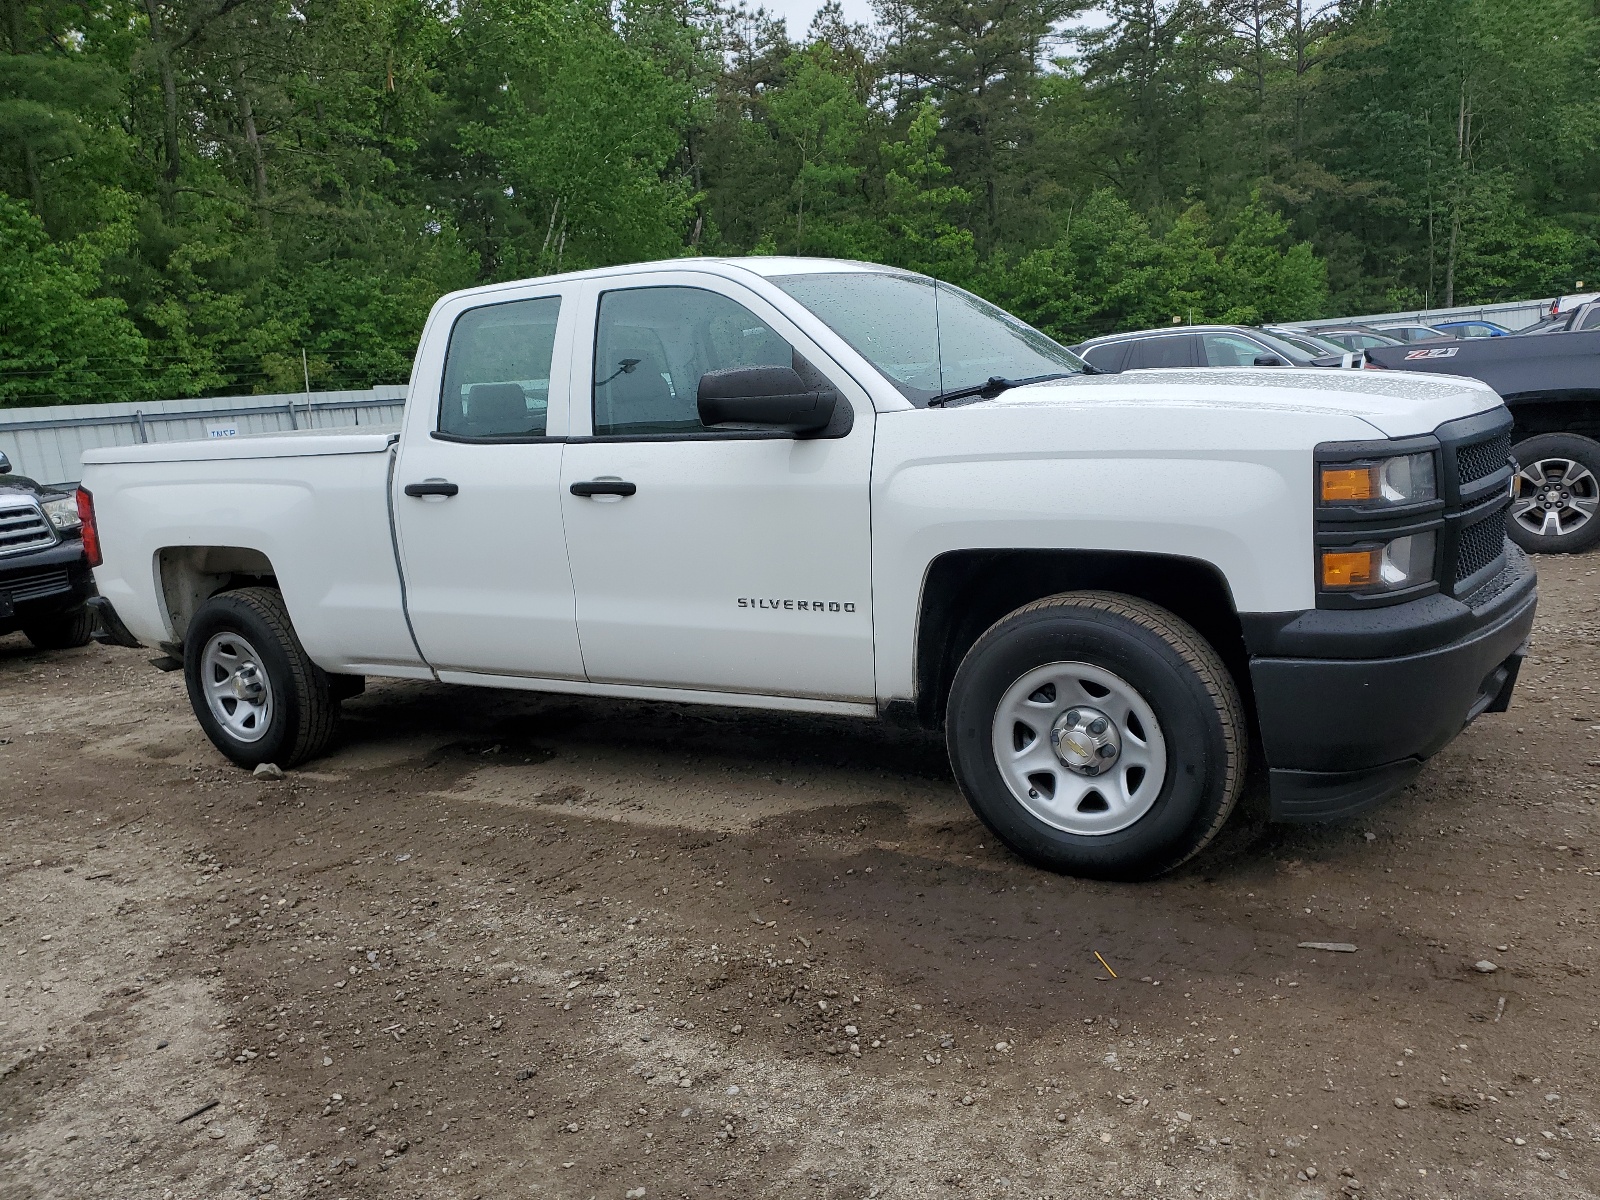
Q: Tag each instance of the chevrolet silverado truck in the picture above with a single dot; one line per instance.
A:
(1551, 384)
(45, 584)
(838, 488)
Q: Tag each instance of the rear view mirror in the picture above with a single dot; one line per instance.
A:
(765, 397)
(5, 464)
(1269, 360)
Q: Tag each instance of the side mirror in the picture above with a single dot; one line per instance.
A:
(1269, 360)
(765, 397)
(5, 464)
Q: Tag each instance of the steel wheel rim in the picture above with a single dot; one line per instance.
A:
(237, 688)
(1555, 497)
(1054, 790)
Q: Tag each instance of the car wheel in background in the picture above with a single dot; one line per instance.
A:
(63, 631)
(1098, 735)
(1555, 507)
(254, 690)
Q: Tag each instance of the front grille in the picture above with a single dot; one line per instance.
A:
(1475, 461)
(1480, 545)
(37, 584)
(23, 527)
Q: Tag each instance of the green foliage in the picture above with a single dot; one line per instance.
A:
(59, 342)
(195, 194)
(820, 123)
(922, 209)
(1109, 271)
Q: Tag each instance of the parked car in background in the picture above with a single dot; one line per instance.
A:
(1471, 329)
(1565, 304)
(1199, 346)
(1313, 344)
(1552, 387)
(1575, 319)
(1548, 325)
(1355, 337)
(1411, 331)
(45, 582)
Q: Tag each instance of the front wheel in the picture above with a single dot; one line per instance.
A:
(256, 693)
(1098, 735)
(1556, 494)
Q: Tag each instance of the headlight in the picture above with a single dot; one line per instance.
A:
(1385, 567)
(63, 513)
(1405, 479)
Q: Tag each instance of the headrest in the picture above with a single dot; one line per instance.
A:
(494, 408)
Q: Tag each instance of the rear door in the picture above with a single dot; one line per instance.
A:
(476, 501)
(720, 560)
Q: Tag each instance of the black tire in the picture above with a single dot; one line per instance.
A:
(1171, 668)
(1540, 457)
(63, 631)
(303, 711)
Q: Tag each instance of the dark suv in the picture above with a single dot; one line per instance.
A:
(45, 584)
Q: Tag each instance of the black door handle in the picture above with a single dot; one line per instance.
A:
(604, 487)
(432, 487)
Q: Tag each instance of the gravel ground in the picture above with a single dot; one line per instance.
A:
(503, 945)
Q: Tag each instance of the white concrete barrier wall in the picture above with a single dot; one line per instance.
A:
(47, 444)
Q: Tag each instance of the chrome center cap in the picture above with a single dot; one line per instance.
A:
(1085, 740)
(1552, 497)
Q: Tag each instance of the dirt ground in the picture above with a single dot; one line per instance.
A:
(501, 945)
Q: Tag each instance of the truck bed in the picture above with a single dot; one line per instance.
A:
(312, 512)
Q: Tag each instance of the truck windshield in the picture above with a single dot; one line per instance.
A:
(927, 337)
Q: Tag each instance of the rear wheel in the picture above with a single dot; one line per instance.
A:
(256, 693)
(1097, 734)
(62, 632)
(1556, 494)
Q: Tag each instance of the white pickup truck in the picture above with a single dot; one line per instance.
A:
(834, 487)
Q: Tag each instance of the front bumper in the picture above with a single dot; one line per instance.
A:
(42, 583)
(1340, 732)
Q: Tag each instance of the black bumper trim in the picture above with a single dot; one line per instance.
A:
(1302, 797)
(1340, 733)
(109, 629)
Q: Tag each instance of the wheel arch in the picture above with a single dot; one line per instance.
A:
(188, 576)
(1555, 412)
(966, 591)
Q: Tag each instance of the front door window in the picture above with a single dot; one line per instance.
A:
(653, 344)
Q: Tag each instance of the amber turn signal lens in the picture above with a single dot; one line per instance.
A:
(1348, 483)
(1349, 568)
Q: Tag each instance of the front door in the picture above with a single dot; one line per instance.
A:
(735, 561)
(476, 500)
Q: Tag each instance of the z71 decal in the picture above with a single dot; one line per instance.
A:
(1437, 352)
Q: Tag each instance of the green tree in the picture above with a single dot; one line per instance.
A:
(61, 342)
(820, 122)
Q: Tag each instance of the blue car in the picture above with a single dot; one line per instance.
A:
(1471, 329)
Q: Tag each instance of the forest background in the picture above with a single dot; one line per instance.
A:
(195, 194)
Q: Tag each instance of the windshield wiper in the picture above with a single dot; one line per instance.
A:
(993, 386)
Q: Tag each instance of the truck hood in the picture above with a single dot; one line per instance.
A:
(1395, 403)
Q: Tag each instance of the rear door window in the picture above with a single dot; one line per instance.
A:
(1168, 350)
(497, 370)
